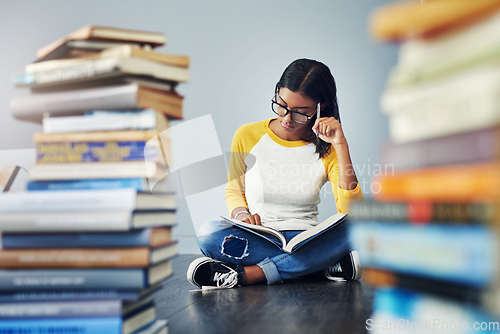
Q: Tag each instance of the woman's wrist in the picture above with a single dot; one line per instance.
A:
(341, 146)
(242, 214)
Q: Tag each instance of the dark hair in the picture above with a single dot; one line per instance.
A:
(313, 79)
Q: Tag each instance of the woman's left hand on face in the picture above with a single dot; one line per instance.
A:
(329, 130)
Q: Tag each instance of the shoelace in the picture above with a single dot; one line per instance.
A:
(336, 268)
(226, 280)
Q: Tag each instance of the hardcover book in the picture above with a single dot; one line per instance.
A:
(121, 51)
(147, 119)
(126, 96)
(151, 170)
(423, 212)
(462, 183)
(102, 33)
(84, 221)
(152, 237)
(464, 254)
(404, 20)
(101, 68)
(83, 279)
(80, 200)
(130, 257)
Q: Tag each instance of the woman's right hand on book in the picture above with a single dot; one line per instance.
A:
(242, 214)
(253, 219)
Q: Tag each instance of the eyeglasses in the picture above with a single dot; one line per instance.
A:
(297, 117)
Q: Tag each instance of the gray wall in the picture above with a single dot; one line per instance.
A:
(238, 51)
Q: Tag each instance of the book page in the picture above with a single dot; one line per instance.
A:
(258, 229)
(312, 232)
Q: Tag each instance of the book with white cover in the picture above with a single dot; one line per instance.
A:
(83, 221)
(472, 39)
(101, 68)
(130, 96)
(119, 120)
(461, 115)
(468, 84)
(80, 200)
(100, 170)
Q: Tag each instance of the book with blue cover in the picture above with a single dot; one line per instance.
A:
(398, 310)
(105, 325)
(466, 254)
(83, 279)
(154, 237)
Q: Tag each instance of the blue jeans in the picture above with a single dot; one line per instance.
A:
(222, 241)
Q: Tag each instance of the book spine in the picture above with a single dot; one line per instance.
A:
(480, 145)
(425, 21)
(75, 258)
(105, 199)
(114, 97)
(96, 152)
(32, 296)
(134, 238)
(105, 325)
(444, 120)
(426, 73)
(89, 69)
(477, 37)
(139, 120)
(72, 279)
(91, 184)
(61, 309)
(478, 182)
(461, 254)
(464, 85)
(72, 221)
(422, 212)
(105, 170)
(415, 309)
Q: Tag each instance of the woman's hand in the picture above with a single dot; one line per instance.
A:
(253, 219)
(329, 130)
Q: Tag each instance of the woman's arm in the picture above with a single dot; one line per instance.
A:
(330, 131)
(235, 188)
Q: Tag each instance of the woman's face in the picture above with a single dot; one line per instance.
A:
(294, 101)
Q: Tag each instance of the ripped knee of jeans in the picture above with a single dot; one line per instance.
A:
(234, 247)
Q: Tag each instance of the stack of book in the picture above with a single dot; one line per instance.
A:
(91, 240)
(432, 225)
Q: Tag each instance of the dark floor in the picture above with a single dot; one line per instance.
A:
(294, 307)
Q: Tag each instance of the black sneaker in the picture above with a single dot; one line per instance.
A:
(205, 272)
(347, 269)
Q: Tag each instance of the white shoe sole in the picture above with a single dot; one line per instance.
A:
(357, 265)
(193, 266)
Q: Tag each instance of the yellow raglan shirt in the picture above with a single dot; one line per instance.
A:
(281, 180)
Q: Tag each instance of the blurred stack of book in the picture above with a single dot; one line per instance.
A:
(91, 240)
(432, 227)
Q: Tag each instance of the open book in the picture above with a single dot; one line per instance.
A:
(296, 242)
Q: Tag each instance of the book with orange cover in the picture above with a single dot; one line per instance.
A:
(411, 19)
(468, 183)
(134, 257)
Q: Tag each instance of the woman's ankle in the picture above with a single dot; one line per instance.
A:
(253, 275)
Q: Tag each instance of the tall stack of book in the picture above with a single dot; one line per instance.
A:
(431, 232)
(91, 240)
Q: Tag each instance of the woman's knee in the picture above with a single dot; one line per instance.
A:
(212, 226)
